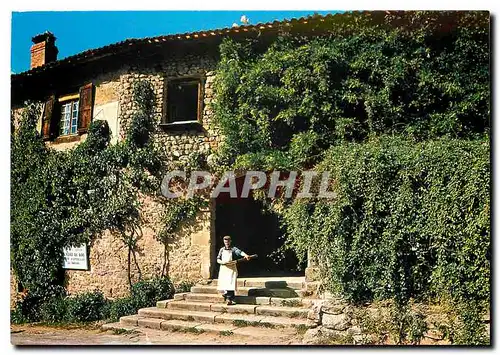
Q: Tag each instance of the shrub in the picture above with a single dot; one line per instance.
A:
(121, 307)
(16, 316)
(54, 310)
(468, 327)
(87, 307)
(147, 292)
(409, 220)
(184, 286)
(31, 307)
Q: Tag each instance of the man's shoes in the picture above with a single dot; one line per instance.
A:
(231, 303)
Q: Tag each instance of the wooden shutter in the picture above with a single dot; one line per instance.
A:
(85, 108)
(199, 113)
(48, 117)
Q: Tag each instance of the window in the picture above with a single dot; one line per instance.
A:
(183, 101)
(69, 118)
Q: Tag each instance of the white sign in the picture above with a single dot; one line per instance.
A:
(76, 258)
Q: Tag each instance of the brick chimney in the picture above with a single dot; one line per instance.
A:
(43, 50)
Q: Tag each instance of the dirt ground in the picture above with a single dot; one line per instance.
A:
(44, 335)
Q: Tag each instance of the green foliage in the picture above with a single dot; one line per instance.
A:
(55, 310)
(403, 324)
(31, 308)
(87, 307)
(121, 307)
(403, 75)
(67, 198)
(468, 327)
(410, 219)
(91, 306)
(396, 107)
(184, 286)
(146, 293)
(407, 324)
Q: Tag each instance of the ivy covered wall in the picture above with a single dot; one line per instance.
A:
(397, 109)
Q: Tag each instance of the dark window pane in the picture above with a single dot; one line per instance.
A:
(182, 101)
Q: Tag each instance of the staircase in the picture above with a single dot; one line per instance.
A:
(281, 303)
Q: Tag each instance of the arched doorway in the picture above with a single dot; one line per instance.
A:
(254, 231)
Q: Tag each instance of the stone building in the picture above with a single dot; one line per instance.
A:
(97, 85)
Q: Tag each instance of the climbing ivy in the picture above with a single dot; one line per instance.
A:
(68, 198)
(283, 105)
(397, 110)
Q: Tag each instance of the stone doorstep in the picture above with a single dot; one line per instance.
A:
(253, 291)
(229, 318)
(274, 301)
(264, 321)
(238, 308)
(164, 304)
(180, 296)
(118, 325)
(153, 319)
(216, 327)
(206, 297)
(176, 324)
(130, 320)
(287, 322)
(269, 282)
(153, 323)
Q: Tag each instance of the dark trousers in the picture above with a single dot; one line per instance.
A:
(229, 295)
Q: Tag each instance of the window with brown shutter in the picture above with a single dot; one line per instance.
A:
(66, 117)
(48, 118)
(85, 108)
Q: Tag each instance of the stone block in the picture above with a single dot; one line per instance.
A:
(335, 321)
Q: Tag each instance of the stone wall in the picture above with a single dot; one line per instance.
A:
(341, 323)
(189, 255)
(175, 144)
(109, 255)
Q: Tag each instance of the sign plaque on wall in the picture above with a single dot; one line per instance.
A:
(76, 258)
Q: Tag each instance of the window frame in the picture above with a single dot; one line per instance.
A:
(62, 106)
(200, 81)
(61, 101)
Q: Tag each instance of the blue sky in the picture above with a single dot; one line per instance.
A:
(77, 31)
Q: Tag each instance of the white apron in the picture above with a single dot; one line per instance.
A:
(227, 274)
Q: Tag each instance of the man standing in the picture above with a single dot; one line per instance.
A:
(228, 271)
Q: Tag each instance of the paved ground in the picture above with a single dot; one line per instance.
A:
(43, 335)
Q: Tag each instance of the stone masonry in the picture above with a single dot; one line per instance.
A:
(189, 256)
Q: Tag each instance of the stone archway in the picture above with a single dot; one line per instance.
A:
(254, 231)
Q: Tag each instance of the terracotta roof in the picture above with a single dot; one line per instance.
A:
(112, 48)
(331, 19)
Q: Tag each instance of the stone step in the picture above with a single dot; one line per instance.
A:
(269, 301)
(214, 298)
(253, 291)
(263, 321)
(197, 327)
(296, 283)
(181, 314)
(290, 312)
(240, 309)
(214, 307)
(153, 317)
